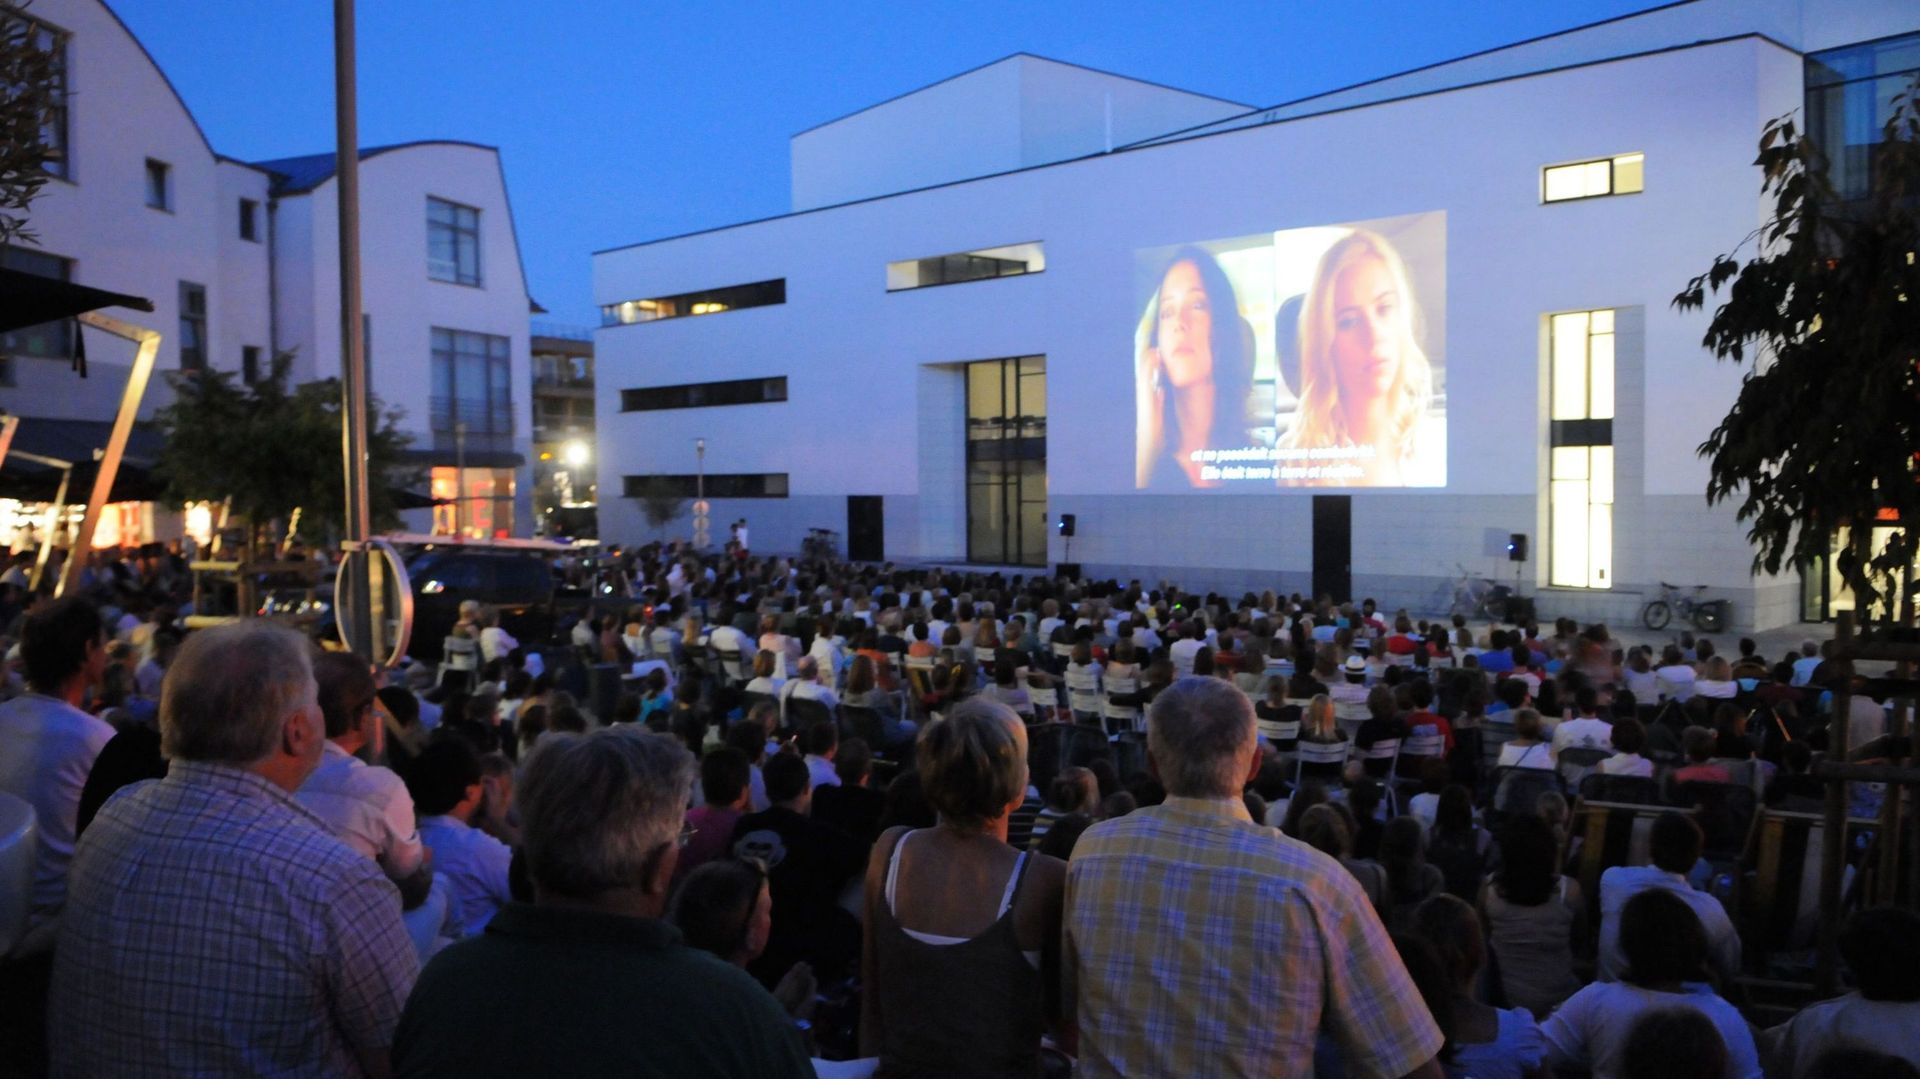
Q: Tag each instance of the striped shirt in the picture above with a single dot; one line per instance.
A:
(214, 926)
(1200, 943)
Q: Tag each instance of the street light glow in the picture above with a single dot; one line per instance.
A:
(576, 453)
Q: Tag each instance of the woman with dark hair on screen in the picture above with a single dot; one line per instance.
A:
(1192, 374)
(1365, 383)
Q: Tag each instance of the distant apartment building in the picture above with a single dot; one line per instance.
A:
(563, 430)
(240, 260)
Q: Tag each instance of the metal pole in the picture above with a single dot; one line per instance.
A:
(353, 370)
(1833, 852)
(459, 476)
(148, 346)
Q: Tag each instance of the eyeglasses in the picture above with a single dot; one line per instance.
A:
(686, 835)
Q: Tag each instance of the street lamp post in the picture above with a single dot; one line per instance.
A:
(700, 506)
(459, 475)
(365, 583)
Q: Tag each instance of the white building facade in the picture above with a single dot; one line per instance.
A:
(240, 262)
(1549, 200)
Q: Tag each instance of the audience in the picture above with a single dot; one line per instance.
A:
(365, 805)
(212, 923)
(1666, 953)
(1881, 947)
(1488, 1042)
(808, 863)
(961, 959)
(1290, 944)
(1674, 846)
(590, 965)
(448, 787)
(1533, 917)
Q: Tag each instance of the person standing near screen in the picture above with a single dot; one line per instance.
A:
(1192, 374)
(1365, 383)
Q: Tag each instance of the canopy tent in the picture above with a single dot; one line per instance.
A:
(29, 299)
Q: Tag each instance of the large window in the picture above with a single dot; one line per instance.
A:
(715, 485)
(475, 502)
(193, 326)
(48, 340)
(1580, 480)
(1850, 95)
(710, 302)
(1010, 261)
(1621, 175)
(1007, 461)
(453, 242)
(53, 42)
(745, 391)
(472, 390)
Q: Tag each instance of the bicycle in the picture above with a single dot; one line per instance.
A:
(1478, 597)
(1707, 615)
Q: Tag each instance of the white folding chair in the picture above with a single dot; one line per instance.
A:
(461, 654)
(1322, 754)
(1083, 690)
(1120, 717)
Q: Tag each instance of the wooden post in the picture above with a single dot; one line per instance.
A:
(148, 346)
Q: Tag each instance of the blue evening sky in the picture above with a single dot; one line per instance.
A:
(626, 121)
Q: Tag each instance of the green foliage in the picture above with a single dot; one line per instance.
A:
(272, 448)
(28, 93)
(1826, 316)
(659, 502)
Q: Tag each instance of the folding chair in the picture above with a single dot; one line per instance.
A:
(1327, 759)
(460, 655)
(1117, 705)
(804, 712)
(1578, 762)
(1083, 693)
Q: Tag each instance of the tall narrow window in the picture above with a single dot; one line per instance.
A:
(1580, 476)
(250, 363)
(159, 185)
(453, 242)
(193, 326)
(471, 406)
(1007, 461)
(249, 220)
(53, 129)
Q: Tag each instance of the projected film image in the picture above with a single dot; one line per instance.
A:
(1307, 357)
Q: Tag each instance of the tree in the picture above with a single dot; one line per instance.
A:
(660, 502)
(29, 95)
(272, 448)
(1825, 432)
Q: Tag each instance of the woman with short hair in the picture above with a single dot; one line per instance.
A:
(962, 963)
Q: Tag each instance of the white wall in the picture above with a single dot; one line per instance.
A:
(122, 112)
(1020, 111)
(855, 355)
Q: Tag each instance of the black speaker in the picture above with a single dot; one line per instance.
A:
(1066, 524)
(1516, 547)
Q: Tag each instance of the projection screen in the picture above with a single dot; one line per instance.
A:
(1306, 357)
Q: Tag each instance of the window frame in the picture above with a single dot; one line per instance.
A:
(1581, 455)
(58, 163)
(457, 230)
(1614, 164)
(191, 291)
(703, 394)
(163, 172)
(444, 410)
(250, 220)
(1028, 266)
(11, 340)
(771, 292)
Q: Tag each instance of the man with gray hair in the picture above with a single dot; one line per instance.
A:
(214, 925)
(588, 979)
(1189, 918)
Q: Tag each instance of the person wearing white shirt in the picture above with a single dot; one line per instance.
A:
(367, 806)
(1628, 738)
(1182, 651)
(48, 746)
(828, 652)
(1586, 730)
(495, 643)
(1882, 948)
(1675, 676)
(727, 637)
(1675, 846)
(805, 683)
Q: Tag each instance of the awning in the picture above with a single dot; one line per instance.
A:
(29, 299)
(75, 443)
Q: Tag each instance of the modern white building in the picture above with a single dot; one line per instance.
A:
(240, 261)
(1542, 203)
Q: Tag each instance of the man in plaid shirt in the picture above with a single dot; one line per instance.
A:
(213, 924)
(1201, 943)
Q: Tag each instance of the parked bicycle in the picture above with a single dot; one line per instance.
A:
(1707, 615)
(1478, 597)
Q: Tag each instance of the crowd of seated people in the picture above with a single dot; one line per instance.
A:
(849, 818)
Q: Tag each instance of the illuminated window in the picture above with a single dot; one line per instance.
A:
(1622, 175)
(709, 302)
(1011, 261)
(1580, 470)
(476, 502)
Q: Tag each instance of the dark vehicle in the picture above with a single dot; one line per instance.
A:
(517, 583)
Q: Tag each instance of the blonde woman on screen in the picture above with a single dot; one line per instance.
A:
(1364, 380)
(1191, 374)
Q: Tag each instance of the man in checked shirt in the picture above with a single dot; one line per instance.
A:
(214, 926)
(1201, 943)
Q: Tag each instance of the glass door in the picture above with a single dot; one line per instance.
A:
(1007, 461)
